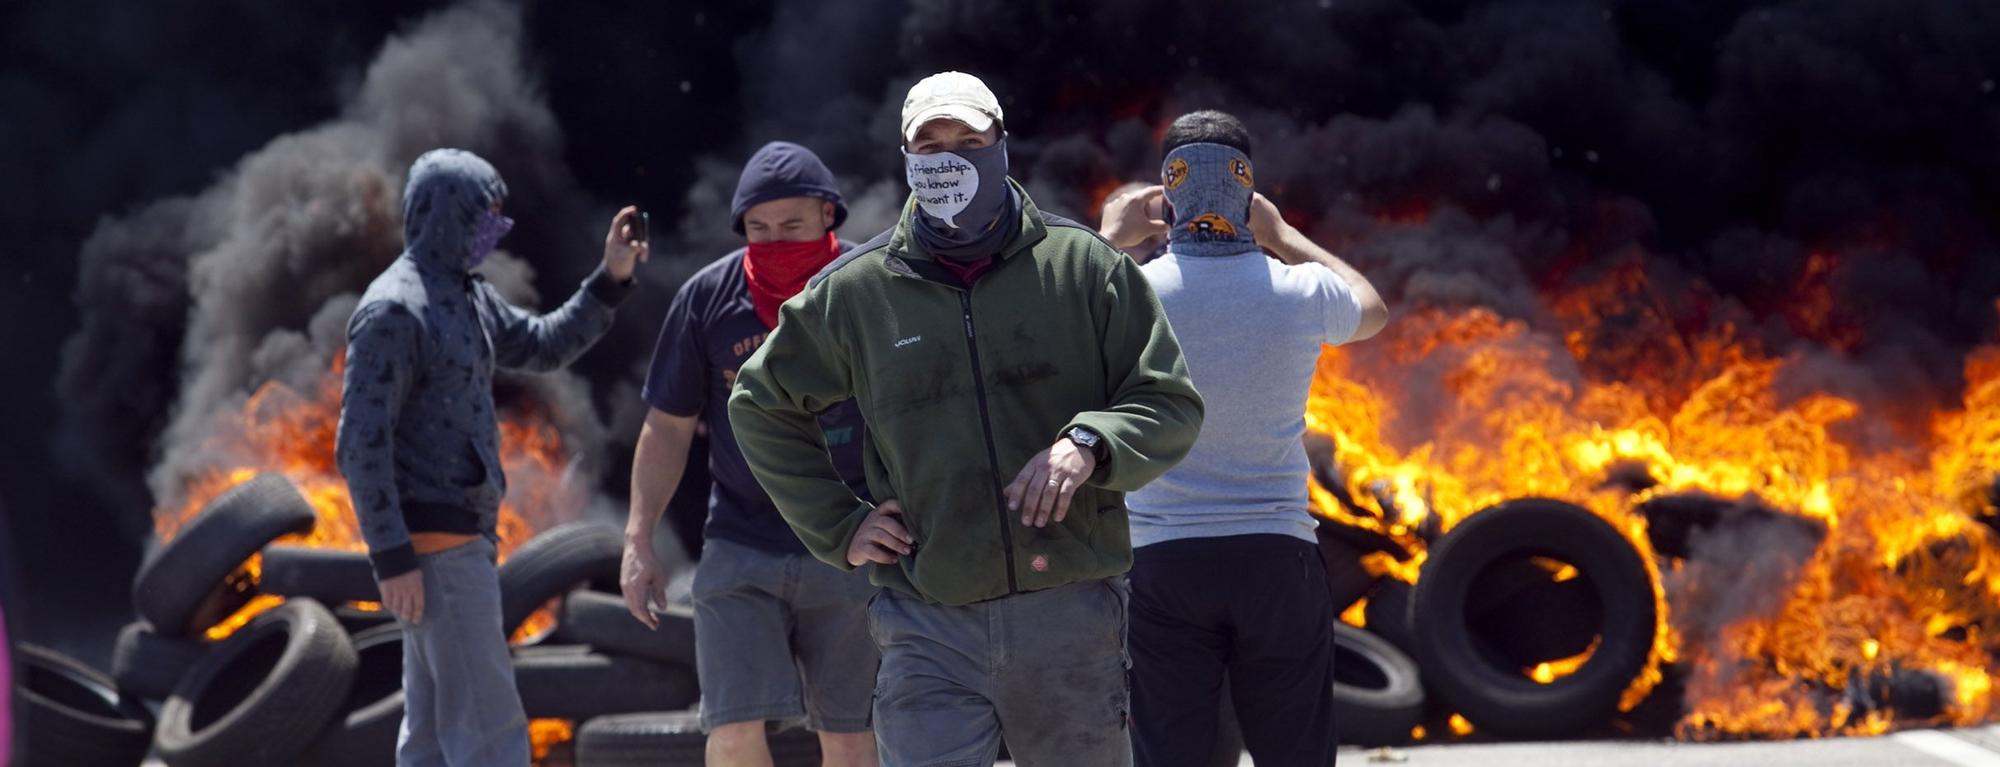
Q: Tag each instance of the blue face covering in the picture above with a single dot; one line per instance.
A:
(485, 236)
(1208, 188)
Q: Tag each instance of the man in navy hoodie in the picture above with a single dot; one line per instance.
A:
(777, 635)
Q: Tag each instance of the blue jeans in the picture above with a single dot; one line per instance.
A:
(460, 705)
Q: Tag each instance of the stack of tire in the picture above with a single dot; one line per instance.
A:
(1519, 584)
(306, 684)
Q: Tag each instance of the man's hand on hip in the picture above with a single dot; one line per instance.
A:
(881, 539)
(403, 595)
(1042, 490)
(641, 579)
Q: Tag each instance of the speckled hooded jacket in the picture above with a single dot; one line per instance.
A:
(418, 440)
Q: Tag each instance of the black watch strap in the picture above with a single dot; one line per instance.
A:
(1089, 440)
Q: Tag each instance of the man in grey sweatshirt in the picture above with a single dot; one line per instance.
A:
(420, 447)
(1226, 574)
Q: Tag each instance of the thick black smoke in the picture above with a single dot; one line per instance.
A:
(1461, 153)
(267, 262)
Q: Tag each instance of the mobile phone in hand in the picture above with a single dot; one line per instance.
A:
(642, 225)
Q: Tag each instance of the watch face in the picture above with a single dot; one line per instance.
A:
(1083, 438)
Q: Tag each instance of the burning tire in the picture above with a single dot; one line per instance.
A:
(173, 584)
(601, 621)
(328, 575)
(571, 683)
(1531, 611)
(363, 731)
(551, 564)
(671, 739)
(263, 694)
(1377, 696)
(1388, 614)
(1340, 550)
(73, 716)
(148, 665)
(1477, 680)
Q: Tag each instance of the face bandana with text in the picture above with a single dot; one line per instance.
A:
(1208, 189)
(485, 235)
(960, 196)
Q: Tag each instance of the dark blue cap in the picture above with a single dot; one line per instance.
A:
(783, 169)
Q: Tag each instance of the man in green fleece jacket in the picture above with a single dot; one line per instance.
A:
(1018, 378)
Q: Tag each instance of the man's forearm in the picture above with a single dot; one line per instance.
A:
(658, 462)
(1294, 247)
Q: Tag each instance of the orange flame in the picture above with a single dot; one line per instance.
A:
(281, 430)
(545, 734)
(1449, 412)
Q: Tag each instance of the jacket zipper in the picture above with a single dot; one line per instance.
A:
(986, 423)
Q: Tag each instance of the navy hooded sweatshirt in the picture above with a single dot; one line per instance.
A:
(712, 328)
(418, 440)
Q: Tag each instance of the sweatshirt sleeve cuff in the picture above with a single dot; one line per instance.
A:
(845, 536)
(608, 290)
(392, 562)
(1101, 473)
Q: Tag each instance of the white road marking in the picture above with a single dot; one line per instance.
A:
(1948, 747)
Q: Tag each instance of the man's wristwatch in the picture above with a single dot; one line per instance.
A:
(1088, 440)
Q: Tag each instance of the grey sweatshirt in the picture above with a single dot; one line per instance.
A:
(1251, 329)
(418, 441)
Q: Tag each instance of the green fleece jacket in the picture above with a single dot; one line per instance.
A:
(960, 387)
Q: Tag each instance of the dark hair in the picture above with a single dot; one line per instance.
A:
(1207, 127)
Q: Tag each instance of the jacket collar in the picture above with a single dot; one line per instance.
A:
(903, 243)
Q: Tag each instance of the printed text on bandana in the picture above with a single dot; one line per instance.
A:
(943, 183)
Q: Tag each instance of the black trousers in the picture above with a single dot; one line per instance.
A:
(1254, 607)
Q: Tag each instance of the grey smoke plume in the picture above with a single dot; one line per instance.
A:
(265, 265)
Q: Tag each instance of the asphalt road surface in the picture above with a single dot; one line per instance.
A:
(1975, 747)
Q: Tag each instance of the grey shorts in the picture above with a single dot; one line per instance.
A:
(781, 637)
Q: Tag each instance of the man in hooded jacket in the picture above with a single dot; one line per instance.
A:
(419, 445)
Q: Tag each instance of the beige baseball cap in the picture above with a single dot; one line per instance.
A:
(954, 95)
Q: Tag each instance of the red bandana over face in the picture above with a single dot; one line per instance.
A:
(779, 270)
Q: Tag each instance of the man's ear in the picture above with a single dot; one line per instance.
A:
(826, 214)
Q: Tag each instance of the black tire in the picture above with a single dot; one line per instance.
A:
(641, 740)
(675, 739)
(551, 564)
(147, 665)
(72, 715)
(601, 621)
(363, 731)
(177, 579)
(563, 683)
(1388, 614)
(328, 575)
(263, 695)
(1377, 693)
(1346, 579)
(1543, 622)
(1491, 692)
(355, 620)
